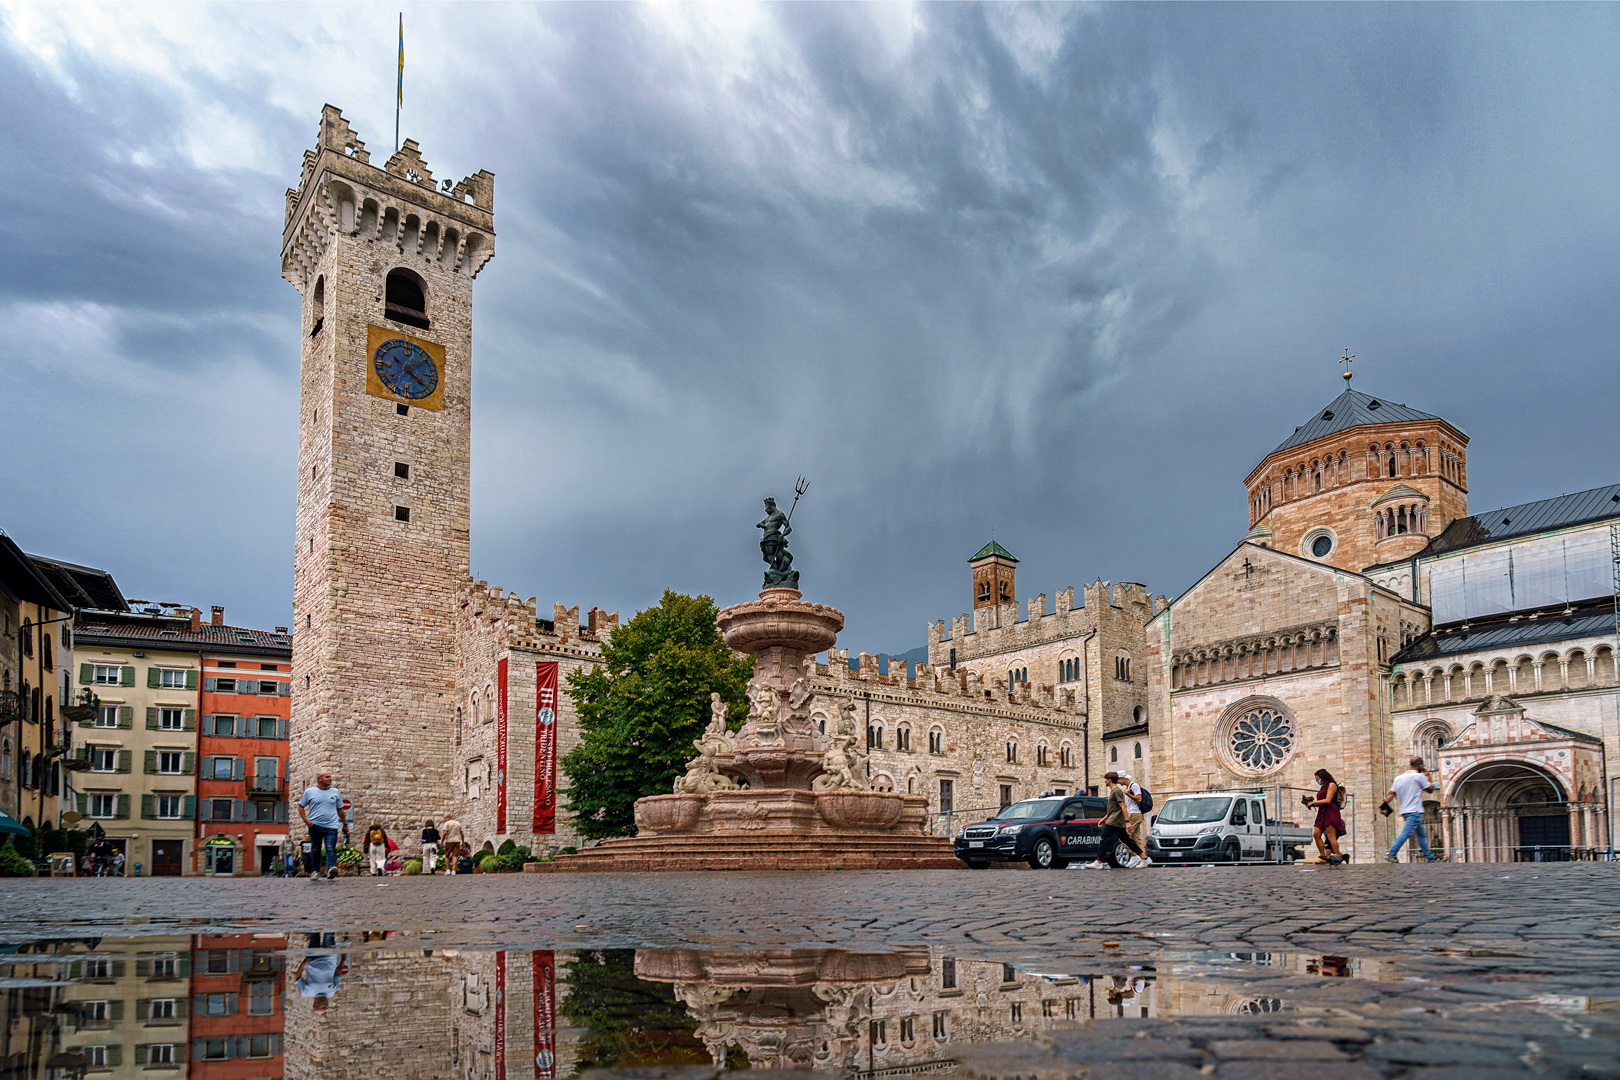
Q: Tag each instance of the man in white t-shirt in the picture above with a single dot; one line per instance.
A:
(1135, 822)
(1407, 791)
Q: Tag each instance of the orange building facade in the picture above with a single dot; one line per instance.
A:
(243, 710)
(237, 982)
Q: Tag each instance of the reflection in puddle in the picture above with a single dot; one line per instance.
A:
(335, 1004)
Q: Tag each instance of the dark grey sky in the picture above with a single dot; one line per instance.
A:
(1065, 272)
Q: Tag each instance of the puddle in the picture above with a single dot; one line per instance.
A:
(337, 1004)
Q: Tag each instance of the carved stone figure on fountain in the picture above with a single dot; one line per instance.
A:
(844, 764)
(702, 774)
(764, 724)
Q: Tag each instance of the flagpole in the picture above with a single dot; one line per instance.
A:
(399, 84)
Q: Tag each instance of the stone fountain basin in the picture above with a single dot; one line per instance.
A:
(745, 815)
(780, 620)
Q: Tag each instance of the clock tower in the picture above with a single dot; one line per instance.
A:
(384, 259)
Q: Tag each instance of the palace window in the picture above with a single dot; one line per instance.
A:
(902, 737)
(940, 1032)
(1065, 757)
(936, 741)
(1041, 754)
(1012, 752)
(947, 973)
(1122, 668)
(405, 298)
(1006, 796)
(947, 803)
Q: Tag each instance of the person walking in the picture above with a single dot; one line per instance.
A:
(454, 841)
(321, 807)
(319, 974)
(1135, 819)
(1407, 791)
(376, 845)
(289, 856)
(430, 848)
(118, 864)
(1114, 831)
(1329, 822)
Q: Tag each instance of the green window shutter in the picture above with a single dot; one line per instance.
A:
(152, 677)
(148, 807)
(188, 764)
(143, 1009)
(191, 680)
(124, 760)
(189, 809)
(140, 1054)
(115, 1010)
(83, 801)
(126, 716)
(151, 717)
(190, 723)
(115, 1056)
(150, 764)
(123, 806)
(128, 677)
(87, 673)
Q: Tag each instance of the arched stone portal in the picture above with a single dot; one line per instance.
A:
(1508, 811)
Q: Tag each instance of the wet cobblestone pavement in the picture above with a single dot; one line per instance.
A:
(1421, 972)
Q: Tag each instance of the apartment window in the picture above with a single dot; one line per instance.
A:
(267, 687)
(168, 806)
(261, 998)
(220, 768)
(95, 1057)
(219, 809)
(402, 470)
(402, 513)
(107, 716)
(103, 758)
(939, 1027)
(258, 1046)
(222, 725)
(106, 674)
(170, 761)
(218, 1004)
(160, 1054)
(227, 663)
(172, 680)
(267, 727)
(165, 967)
(213, 1049)
(264, 810)
(93, 1010)
(225, 686)
(217, 962)
(172, 719)
(947, 973)
(98, 969)
(161, 1009)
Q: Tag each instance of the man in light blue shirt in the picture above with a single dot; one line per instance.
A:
(1408, 789)
(321, 807)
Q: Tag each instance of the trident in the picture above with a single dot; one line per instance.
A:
(799, 488)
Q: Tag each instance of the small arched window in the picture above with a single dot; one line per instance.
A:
(317, 306)
(406, 298)
(1113, 755)
(1138, 752)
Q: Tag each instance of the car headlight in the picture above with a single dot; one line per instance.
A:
(1010, 830)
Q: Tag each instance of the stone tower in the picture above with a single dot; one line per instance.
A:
(1363, 481)
(385, 261)
(994, 577)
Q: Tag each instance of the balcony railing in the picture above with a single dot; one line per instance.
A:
(266, 785)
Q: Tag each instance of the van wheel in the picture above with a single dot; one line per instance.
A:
(1044, 856)
(978, 864)
(1232, 852)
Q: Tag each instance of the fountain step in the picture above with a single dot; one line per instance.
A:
(764, 850)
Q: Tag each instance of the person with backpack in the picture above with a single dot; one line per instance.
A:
(1329, 822)
(1138, 801)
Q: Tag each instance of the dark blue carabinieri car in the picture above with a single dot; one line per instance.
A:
(1048, 833)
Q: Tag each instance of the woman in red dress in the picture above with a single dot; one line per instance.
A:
(1329, 822)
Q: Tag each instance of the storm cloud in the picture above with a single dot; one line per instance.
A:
(1064, 272)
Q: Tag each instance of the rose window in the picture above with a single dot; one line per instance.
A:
(1262, 739)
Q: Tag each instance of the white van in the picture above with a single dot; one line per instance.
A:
(1222, 826)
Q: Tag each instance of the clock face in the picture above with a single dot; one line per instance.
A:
(405, 368)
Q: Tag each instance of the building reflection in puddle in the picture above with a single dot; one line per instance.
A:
(333, 1005)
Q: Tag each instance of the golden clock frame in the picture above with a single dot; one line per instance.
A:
(375, 337)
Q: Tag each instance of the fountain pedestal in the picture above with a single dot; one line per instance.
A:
(793, 810)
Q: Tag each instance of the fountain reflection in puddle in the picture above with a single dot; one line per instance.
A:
(335, 1004)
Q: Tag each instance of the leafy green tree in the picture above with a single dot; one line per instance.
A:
(641, 708)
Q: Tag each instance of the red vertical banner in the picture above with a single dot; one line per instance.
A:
(500, 1012)
(545, 1014)
(545, 746)
(500, 746)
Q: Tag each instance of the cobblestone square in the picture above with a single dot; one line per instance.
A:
(1402, 971)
